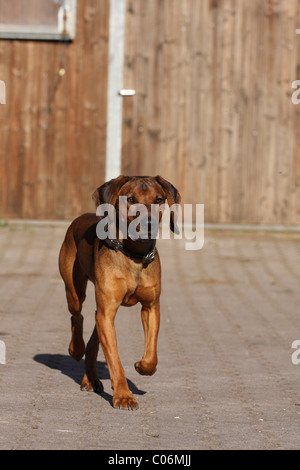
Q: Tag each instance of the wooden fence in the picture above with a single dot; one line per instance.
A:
(53, 126)
(212, 111)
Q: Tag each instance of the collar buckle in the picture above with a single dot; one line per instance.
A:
(149, 257)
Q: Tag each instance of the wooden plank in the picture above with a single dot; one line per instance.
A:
(251, 110)
(270, 107)
(129, 78)
(238, 105)
(200, 112)
(295, 74)
(215, 20)
(286, 184)
(226, 170)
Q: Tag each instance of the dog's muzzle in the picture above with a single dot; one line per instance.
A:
(146, 230)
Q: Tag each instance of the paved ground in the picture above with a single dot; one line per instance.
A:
(225, 380)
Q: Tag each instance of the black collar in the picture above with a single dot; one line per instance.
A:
(146, 259)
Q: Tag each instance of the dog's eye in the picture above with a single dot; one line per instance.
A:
(130, 200)
(159, 200)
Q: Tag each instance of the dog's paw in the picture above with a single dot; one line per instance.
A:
(77, 350)
(91, 386)
(145, 368)
(125, 403)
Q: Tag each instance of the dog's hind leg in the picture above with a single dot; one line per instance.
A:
(91, 380)
(75, 283)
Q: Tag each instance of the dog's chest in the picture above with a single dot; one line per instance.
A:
(140, 288)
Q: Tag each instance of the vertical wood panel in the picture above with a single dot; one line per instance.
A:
(295, 72)
(53, 126)
(213, 111)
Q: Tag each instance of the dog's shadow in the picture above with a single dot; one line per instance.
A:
(75, 370)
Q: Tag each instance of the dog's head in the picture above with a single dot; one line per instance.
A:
(140, 196)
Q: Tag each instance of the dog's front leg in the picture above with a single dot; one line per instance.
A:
(105, 316)
(150, 320)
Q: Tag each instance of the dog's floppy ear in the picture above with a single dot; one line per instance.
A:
(108, 192)
(173, 197)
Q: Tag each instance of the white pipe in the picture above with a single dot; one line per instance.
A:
(115, 84)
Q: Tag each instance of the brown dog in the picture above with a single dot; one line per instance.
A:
(124, 271)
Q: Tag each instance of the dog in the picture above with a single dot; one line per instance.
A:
(125, 270)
